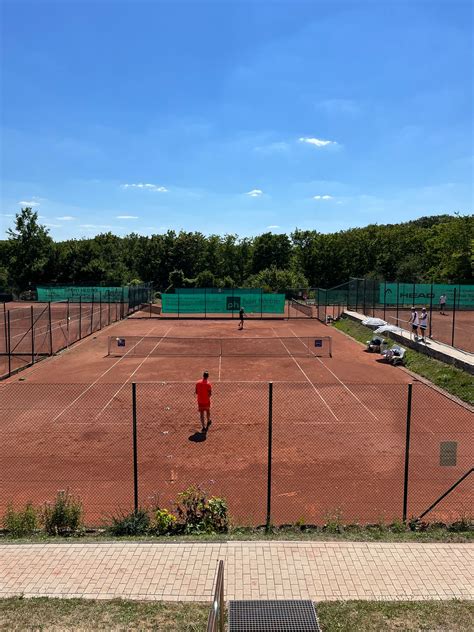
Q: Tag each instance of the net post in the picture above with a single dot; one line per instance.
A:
(50, 329)
(32, 335)
(135, 451)
(9, 343)
(431, 308)
(269, 463)
(80, 316)
(454, 318)
(407, 452)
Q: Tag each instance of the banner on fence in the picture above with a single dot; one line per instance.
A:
(423, 293)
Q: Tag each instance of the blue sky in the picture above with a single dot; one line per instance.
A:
(235, 117)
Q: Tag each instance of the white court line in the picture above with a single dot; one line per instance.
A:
(133, 373)
(340, 381)
(314, 387)
(104, 373)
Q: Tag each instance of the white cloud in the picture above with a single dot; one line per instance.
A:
(31, 203)
(52, 225)
(66, 218)
(126, 216)
(146, 186)
(254, 193)
(6, 215)
(317, 142)
(322, 197)
(273, 226)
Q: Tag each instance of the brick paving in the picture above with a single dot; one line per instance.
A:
(319, 571)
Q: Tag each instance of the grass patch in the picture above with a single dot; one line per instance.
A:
(374, 616)
(80, 614)
(453, 380)
(305, 533)
(43, 613)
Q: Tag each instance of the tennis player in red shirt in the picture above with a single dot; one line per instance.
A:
(204, 392)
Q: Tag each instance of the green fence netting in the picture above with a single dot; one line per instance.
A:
(223, 302)
(133, 294)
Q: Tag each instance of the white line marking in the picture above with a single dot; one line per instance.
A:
(314, 387)
(102, 375)
(133, 373)
(340, 381)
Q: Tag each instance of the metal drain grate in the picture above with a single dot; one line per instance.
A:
(273, 616)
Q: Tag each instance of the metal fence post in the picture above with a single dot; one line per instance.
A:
(431, 310)
(269, 464)
(364, 299)
(109, 321)
(5, 324)
(384, 299)
(9, 343)
(80, 316)
(398, 295)
(454, 318)
(32, 336)
(92, 313)
(100, 310)
(407, 453)
(135, 451)
(50, 329)
(357, 295)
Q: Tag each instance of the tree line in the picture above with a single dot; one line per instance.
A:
(437, 248)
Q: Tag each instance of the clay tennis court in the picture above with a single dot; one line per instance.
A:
(339, 426)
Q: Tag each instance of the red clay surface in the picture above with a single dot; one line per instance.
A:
(338, 429)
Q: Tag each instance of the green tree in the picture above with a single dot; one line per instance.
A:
(277, 280)
(31, 248)
(271, 250)
(205, 279)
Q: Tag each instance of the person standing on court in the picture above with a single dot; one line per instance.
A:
(204, 391)
(241, 318)
(442, 304)
(423, 324)
(414, 322)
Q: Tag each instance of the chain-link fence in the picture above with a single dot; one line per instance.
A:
(277, 452)
(450, 307)
(28, 334)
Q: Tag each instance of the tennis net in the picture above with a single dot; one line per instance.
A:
(302, 307)
(149, 346)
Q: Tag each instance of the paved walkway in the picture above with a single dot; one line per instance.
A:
(254, 570)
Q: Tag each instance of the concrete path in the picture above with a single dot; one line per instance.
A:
(253, 570)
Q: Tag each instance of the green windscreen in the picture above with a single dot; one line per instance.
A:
(223, 303)
(76, 293)
(423, 293)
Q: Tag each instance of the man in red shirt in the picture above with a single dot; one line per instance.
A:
(204, 391)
